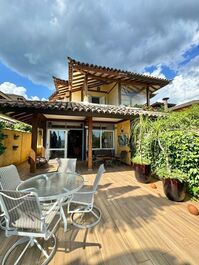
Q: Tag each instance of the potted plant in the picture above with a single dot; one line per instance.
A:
(174, 183)
(141, 161)
(142, 167)
(174, 180)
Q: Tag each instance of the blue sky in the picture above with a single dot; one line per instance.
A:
(9, 75)
(36, 39)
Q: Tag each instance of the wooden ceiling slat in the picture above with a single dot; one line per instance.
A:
(15, 116)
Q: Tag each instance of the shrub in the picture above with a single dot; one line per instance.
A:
(174, 145)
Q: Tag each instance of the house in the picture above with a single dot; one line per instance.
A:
(158, 105)
(90, 114)
(184, 105)
(11, 97)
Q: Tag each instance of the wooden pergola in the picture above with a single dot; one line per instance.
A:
(88, 77)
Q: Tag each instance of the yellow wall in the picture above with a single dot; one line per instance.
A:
(113, 95)
(76, 96)
(125, 127)
(97, 94)
(111, 98)
(19, 155)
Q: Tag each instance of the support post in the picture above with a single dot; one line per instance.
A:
(90, 154)
(85, 88)
(34, 143)
(119, 93)
(147, 96)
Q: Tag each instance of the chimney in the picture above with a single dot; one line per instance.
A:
(165, 101)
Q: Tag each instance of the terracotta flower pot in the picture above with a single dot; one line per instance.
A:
(174, 189)
(142, 172)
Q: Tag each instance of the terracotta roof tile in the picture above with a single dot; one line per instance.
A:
(58, 107)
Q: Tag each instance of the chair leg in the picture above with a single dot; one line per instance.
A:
(31, 242)
(76, 217)
(48, 257)
(17, 243)
(3, 224)
(64, 218)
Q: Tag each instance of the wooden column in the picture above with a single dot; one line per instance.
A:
(70, 80)
(34, 143)
(119, 94)
(85, 88)
(147, 96)
(90, 154)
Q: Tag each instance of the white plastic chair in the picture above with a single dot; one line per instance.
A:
(9, 178)
(67, 165)
(86, 215)
(26, 218)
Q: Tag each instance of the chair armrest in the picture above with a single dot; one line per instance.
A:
(51, 209)
(85, 192)
(3, 214)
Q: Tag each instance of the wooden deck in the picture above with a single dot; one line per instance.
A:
(139, 226)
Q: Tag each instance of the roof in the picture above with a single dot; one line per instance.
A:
(62, 89)
(11, 96)
(23, 111)
(97, 76)
(185, 105)
(158, 104)
(15, 97)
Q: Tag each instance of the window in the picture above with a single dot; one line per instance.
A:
(96, 139)
(39, 137)
(95, 100)
(131, 98)
(102, 139)
(107, 139)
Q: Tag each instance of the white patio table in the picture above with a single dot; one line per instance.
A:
(54, 186)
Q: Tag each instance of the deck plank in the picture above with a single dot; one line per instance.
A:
(139, 226)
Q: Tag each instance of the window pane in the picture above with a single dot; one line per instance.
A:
(95, 100)
(107, 140)
(132, 98)
(96, 139)
(57, 139)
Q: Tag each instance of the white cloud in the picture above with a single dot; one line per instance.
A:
(157, 72)
(10, 88)
(36, 36)
(184, 87)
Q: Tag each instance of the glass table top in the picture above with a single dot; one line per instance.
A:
(53, 185)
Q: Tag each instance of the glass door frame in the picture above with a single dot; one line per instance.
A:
(65, 148)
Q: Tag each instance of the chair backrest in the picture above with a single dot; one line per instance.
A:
(22, 210)
(67, 165)
(9, 178)
(100, 172)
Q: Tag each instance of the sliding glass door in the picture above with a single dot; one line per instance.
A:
(57, 143)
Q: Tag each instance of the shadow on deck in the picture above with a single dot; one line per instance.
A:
(139, 226)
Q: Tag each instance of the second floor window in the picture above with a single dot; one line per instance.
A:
(129, 97)
(95, 100)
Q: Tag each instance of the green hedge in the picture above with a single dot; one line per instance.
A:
(178, 135)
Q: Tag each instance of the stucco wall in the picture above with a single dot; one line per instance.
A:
(76, 96)
(123, 128)
(112, 97)
(18, 155)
